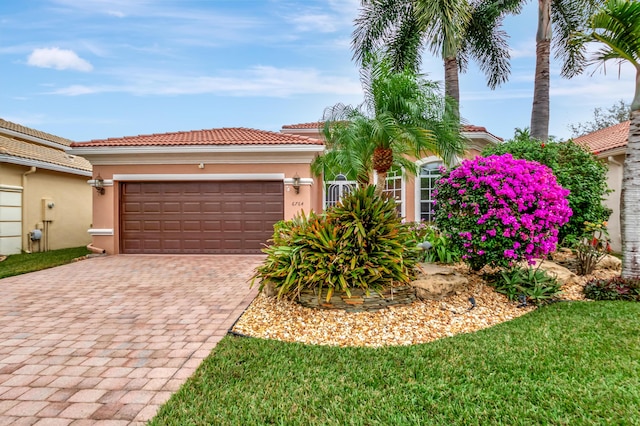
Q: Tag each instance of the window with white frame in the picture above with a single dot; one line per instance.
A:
(429, 174)
(393, 187)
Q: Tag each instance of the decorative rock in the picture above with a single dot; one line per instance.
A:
(269, 290)
(437, 282)
(609, 262)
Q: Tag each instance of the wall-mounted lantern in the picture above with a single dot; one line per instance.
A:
(99, 184)
(296, 183)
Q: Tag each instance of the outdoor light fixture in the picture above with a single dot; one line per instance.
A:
(98, 182)
(296, 183)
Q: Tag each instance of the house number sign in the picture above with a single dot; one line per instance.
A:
(297, 203)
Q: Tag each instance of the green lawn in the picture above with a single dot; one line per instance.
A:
(567, 363)
(17, 264)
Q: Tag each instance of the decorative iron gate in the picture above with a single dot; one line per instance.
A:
(336, 189)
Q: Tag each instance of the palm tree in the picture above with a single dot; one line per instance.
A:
(402, 115)
(404, 26)
(569, 16)
(617, 26)
(455, 30)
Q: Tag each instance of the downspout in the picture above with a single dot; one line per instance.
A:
(24, 203)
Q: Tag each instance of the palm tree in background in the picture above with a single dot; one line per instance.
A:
(403, 115)
(569, 16)
(617, 27)
(455, 30)
(405, 27)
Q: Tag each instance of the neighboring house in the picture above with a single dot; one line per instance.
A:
(610, 145)
(45, 203)
(216, 191)
(413, 194)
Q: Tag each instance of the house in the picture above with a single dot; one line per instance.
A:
(220, 191)
(45, 203)
(413, 194)
(610, 145)
(216, 191)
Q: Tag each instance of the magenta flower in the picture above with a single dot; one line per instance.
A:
(507, 209)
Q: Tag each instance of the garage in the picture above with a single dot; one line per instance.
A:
(211, 191)
(200, 217)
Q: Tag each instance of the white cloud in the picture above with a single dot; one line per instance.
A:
(60, 59)
(116, 13)
(263, 81)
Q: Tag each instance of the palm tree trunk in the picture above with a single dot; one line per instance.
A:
(540, 109)
(451, 86)
(381, 182)
(630, 199)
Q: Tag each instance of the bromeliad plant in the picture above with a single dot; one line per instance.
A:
(525, 284)
(359, 243)
(501, 210)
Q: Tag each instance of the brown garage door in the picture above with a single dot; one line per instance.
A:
(198, 217)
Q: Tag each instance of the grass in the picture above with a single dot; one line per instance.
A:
(566, 363)
(17, 264)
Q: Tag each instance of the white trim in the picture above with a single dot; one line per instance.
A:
(430, 159)
(106, 182)
(43, 165)
(418, 183)
(10, 188)
(188, 149)
(194, 177)
(4, 130)
(482, 136)
(303, 181)
(611, 152)
(303, 131)
(100, 231)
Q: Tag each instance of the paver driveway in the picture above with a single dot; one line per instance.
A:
(108, 339)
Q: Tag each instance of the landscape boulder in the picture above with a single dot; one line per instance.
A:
(609, 262)
(436, 282)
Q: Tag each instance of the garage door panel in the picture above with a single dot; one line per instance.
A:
(211, 206)
(151, 208)
(132, 207)
(151, 225)
(199, 217)
(170, 207)
(212, 225)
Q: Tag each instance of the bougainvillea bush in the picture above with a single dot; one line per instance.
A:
(501, 210)
(576, 169)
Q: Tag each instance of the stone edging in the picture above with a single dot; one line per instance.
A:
(359, 301)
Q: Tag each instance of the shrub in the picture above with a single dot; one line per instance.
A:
(575, 169)
(525, 284)
(501, 210)
(441, 249)
(591, 247)
(613, 289)
(358, 243)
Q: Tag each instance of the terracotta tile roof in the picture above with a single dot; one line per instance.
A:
(318, 124)
(33, 151)
(605, 139)
(4, 124)
(223, 136)
(313, 125)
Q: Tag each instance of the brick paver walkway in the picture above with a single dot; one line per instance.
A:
(107, 340)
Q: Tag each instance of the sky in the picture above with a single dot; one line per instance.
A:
(95, 69)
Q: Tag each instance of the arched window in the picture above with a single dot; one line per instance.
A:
(429, 174)
(336, 189)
